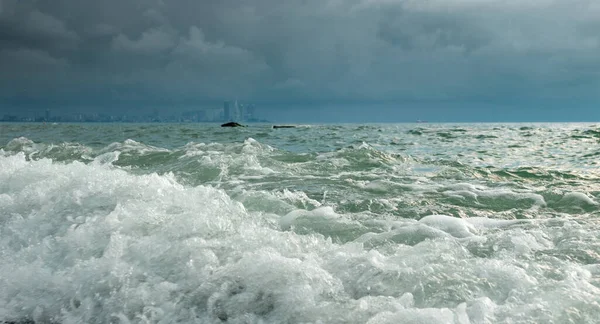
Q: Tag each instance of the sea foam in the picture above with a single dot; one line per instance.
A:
(134, 232)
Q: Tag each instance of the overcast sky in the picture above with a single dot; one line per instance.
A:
(449, 56)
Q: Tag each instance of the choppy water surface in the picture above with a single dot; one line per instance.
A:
(409, 223)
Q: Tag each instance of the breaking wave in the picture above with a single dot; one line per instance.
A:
(242, 230)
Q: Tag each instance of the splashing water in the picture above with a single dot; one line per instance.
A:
(471, 223)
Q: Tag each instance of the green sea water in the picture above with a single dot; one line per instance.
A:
(347, 223)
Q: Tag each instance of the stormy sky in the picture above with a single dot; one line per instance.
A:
(364, 59)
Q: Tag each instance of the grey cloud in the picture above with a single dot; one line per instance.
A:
(150, 42)
(155, 16)
(34, 59)
(333, 50)
(48, 26)
(24, 26)
(100, 30)
(30, 73)
(428, 32)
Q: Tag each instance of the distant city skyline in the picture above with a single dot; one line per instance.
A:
(230, 111)
(350, 113)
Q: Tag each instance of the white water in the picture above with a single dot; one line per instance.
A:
(95, 242)
(91, 243)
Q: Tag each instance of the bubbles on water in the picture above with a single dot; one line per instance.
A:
(243, 231)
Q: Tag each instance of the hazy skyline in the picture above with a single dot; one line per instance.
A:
(371, 60)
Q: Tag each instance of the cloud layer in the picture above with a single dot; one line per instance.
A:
(299, 51)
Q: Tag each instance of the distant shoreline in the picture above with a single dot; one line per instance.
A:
(126, 122)
(423, 124)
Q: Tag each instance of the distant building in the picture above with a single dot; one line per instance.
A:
(189, 116)
(47, 115)
(212, 115)
(242, 112)
(236, 111)
(250, 112)
(200, 115)
(227, 111)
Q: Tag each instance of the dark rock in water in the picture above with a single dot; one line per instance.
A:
(284, 126)
(232, 124)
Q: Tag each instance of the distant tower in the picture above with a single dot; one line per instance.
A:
(242, 112)
(250, 111)
(47, 115)
(236, 111)
(227, 113)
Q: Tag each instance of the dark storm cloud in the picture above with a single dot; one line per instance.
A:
(286, 51)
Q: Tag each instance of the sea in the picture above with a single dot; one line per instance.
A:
(326, 223)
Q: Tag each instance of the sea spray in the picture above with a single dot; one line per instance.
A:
(468, 223)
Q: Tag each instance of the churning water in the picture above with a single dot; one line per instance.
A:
(409, 223)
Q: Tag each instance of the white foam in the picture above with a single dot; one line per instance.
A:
(297, 196)
(417, 316)
(484, 222)
(577, 199)
(409, 234)
(93, 243)
(456, 227)
(252, 146)
(323, 213)
(132, 146)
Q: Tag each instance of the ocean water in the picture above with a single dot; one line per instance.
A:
(393, 223)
